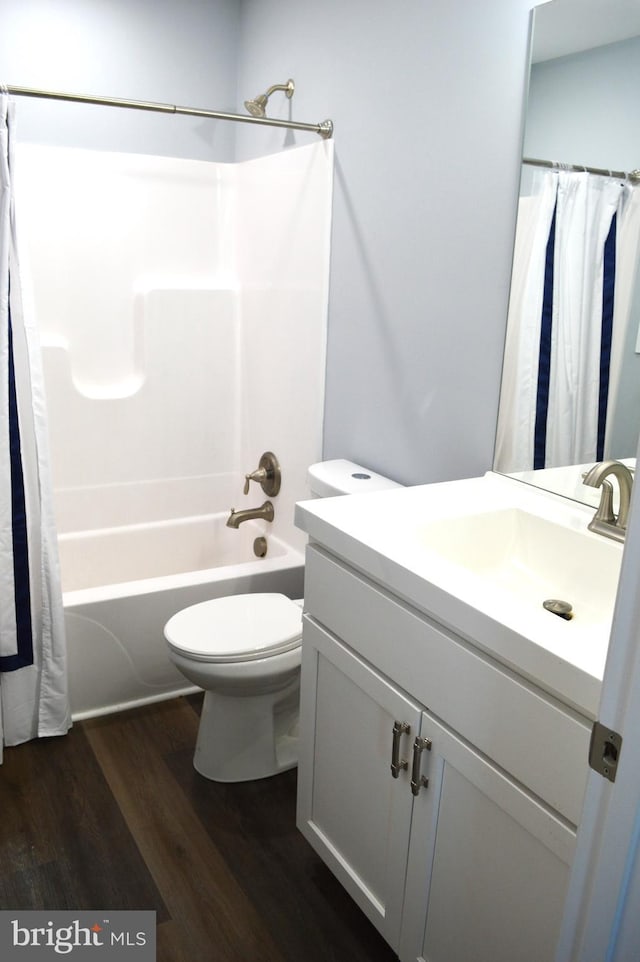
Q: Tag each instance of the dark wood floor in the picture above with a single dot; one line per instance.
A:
(113, 816)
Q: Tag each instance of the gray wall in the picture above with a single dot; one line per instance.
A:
(427, 100)
(583, 108)
(174, 51)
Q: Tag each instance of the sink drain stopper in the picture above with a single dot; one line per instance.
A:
(560, 608)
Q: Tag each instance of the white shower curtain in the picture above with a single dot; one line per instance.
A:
(625, 332)
(585, 208)
(33, 677)
(555, 387)
(518, 397)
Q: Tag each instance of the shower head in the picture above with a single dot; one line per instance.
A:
(258, 106)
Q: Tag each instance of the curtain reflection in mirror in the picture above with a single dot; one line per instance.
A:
(575, 260)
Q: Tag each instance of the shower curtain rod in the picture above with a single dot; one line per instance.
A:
(633, 176)
(324, 129)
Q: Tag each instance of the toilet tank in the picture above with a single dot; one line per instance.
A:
(329, 478)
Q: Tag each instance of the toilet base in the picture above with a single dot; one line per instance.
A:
(245, 738)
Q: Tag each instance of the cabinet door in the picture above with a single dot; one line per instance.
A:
(350, 808)
(488, 864)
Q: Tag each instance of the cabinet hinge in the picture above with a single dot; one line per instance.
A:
(604, 751)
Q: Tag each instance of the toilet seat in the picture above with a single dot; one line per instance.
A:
(236, 628)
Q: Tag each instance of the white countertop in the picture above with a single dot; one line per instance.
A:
(389, 537)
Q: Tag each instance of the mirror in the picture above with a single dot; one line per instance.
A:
(582, 110)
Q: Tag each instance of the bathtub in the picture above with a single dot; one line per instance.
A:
(121, 585)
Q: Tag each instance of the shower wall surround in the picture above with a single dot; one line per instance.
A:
(182, 309)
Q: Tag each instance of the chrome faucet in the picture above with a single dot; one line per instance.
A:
(264, 512)
(604, 521)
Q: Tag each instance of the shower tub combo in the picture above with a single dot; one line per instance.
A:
(121, 586)
(170, 364)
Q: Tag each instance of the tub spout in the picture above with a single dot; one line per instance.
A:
(264, 512)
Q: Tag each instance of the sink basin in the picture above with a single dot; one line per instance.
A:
(530, 559)
(480, 556)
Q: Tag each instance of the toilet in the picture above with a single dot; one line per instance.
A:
(245, 652)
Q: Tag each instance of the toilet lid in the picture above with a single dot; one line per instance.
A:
(236, 628)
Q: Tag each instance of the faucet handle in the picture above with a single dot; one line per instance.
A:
(267, 474)
(258, 475)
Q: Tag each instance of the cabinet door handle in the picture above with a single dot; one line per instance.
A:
(420, 745)
(399, 729)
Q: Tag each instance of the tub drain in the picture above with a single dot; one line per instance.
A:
(560, 608)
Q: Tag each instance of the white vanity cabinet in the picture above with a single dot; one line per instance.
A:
(473, 864)
(351, 809)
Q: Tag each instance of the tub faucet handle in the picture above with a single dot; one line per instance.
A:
(258, 475)
(267, 474)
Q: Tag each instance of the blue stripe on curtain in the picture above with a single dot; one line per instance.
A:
(544, 360)
(608, 287)
(24, 653)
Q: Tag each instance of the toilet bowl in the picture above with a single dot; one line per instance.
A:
(245, 652)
